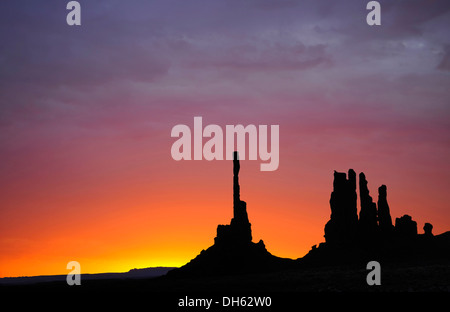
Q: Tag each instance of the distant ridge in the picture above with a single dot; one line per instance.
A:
(132, 274)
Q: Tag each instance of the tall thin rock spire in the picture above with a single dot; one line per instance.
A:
(236, 188)
(239, 230)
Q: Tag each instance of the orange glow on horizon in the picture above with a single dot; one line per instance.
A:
(127, 225)
(86, 116)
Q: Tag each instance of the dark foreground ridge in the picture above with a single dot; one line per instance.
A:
(233, 251)
(133, 274)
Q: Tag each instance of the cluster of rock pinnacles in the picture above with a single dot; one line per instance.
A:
(234, 250)
(344, 226)
(374, 222)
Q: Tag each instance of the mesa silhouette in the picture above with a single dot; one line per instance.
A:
(349, 240)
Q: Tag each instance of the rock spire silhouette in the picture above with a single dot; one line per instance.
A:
(233, 250)
(239, 230)
(374, 223)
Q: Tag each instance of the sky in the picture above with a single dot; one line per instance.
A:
(86, 113)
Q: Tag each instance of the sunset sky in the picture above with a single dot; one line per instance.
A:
(86, 113)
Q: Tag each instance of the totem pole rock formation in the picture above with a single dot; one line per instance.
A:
(233, 250)
(239, 230)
